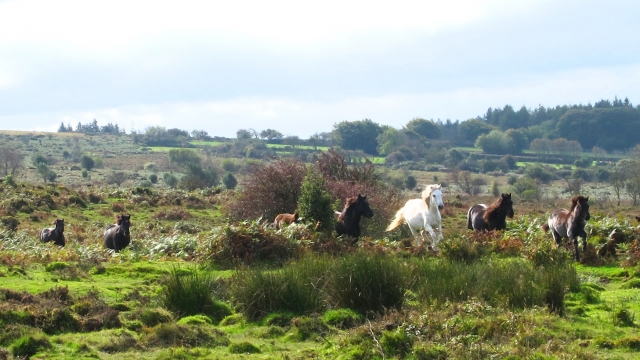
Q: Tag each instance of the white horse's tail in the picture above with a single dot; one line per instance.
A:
(396, 221)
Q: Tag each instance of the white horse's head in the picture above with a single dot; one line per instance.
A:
(432, 195)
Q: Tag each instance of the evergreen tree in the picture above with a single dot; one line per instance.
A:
(314, 204)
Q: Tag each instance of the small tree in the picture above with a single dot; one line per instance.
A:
(315, 204)
(87, 162)
(410, 182)
(170, 179)
(153, 178)
(229, 181)
(43, 171)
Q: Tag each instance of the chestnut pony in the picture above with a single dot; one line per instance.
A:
(285, 219)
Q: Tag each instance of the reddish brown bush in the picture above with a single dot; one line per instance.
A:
(267, 190)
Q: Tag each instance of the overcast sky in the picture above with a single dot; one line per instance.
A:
(300, 67)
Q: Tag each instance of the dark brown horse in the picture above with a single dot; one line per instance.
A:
(493, 217)
(55, 234)
(349, 219)
(117, 236)
(570, 223)
(285, 219)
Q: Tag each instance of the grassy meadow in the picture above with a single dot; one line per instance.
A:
(195, 285)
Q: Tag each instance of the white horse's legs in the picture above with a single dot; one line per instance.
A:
(434, 238)
(415, 234)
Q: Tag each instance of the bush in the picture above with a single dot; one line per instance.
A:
(229, 181)
(342, 318)
(267, 190)
(191, 294)
(153, 178)
(170, 179)
(315, 204)
(396, 343)
(29, 345)
(87, 162)
(244, 347)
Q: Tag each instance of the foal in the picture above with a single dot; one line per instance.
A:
(349, 219)
(55, 234)
(285, 219)
(493, 217)
(570, 223)
(117, 236)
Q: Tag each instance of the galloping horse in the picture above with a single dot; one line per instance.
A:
(117, 236)
(349, 219)
(482, 217)
(285, 219)
(422, 214)
(570, 223)
(55, 234)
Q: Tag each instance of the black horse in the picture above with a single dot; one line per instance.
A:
(117, 236)
(349, 219)
(570, 223)
(55, 234)
(493, 217)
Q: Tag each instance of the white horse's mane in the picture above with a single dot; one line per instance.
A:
(426, 193)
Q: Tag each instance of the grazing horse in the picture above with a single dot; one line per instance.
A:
(570, 223)
(55, 234)
(285, 219)
(422, 214)
(493, 217)
(349, 219)
(117, 236)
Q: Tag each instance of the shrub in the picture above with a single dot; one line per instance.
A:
(170, 179)
(29, 345)
(267, 190)
(367, 283)
(244, 347)
(229, 181)
(314, 203)
(87, 162)
(191, 294)
(410, 182)
(153, 178)
(342, 318)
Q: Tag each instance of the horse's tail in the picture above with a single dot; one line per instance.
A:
(44, 235)
(545, 227)
(469, 225)
(396, 221)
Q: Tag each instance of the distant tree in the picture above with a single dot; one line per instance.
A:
(243, 134)
(87, 162)
(389, 141)
(357, 135)
(170, 179)
(11, 160)
(184, 156)
(271, 134)
(426, 128)
(199, 134)
(153, 178)
(62, 127)
(453, 157)
(472, 128)
(410, 182)
(229, 181)
(66, 155)
(38, 158)
(197, 177)
(43, 171)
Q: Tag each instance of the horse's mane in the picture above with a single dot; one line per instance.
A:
(426, 193)
(491, 209)
(348, 208)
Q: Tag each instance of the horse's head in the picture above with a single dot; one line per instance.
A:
(584, 207)
(363, 207)
(432, 195)
(59, 224)
(507, 204)
(125, 223)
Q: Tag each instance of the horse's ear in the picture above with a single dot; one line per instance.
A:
(586, 199)
(55, 221)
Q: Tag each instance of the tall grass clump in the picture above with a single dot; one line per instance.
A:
(295, 288)
(192, 294)
(367, 283)
(515, 283)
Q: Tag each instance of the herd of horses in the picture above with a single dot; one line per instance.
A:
(422, 215)
(116, 236)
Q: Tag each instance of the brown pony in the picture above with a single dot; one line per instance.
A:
(493, 217)
(55, 234)
(117, 236)
(285, 219)
(570, 223)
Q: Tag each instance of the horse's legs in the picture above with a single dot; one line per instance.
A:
(575, 246)
(415, 235)
(556, 237)
(584, 240)
(434, 238)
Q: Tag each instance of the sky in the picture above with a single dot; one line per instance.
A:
(300, 67)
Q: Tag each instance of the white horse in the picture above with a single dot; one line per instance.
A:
(422, 214)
